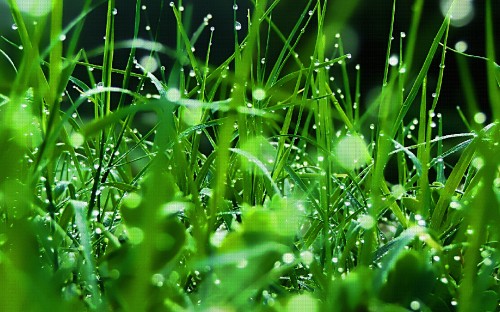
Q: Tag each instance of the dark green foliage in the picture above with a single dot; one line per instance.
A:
(258, 184)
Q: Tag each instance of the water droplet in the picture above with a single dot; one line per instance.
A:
(157, 280)
(288, 258)
(461, 46)
(212, 29)
(461, 11)
(62, 37)
(351, 152)
(143, 7)
(366, 221)
(173, 207)
(14, 26)
(132, 200)
(477, 162)
(77, 139)
(496, 182)
(393, 60)
(480, 118)
(398, 191)
(487, 262)
(173, 94)
(237, 25)
(415, 305)
(403, 34)
(235, 7)
(135, 235)
(259, 94)
(243, 263)
(311, 12)
(307, 257)
(115, 11)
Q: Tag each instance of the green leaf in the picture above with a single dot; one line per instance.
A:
(411, 279)
(392, 250)
(89, 271)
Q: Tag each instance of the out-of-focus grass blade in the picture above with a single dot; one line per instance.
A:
(482, 220)
(89, 271)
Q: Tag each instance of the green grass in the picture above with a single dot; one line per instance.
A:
(260, 185)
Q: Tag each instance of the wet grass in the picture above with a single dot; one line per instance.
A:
(254, 184)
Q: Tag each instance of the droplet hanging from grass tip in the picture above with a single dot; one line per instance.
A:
(237, 25)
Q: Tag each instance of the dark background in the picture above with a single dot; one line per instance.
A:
(364, 26)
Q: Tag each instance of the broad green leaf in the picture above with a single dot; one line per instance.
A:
(411, 279)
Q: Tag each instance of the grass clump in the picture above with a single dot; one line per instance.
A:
(254, 184)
